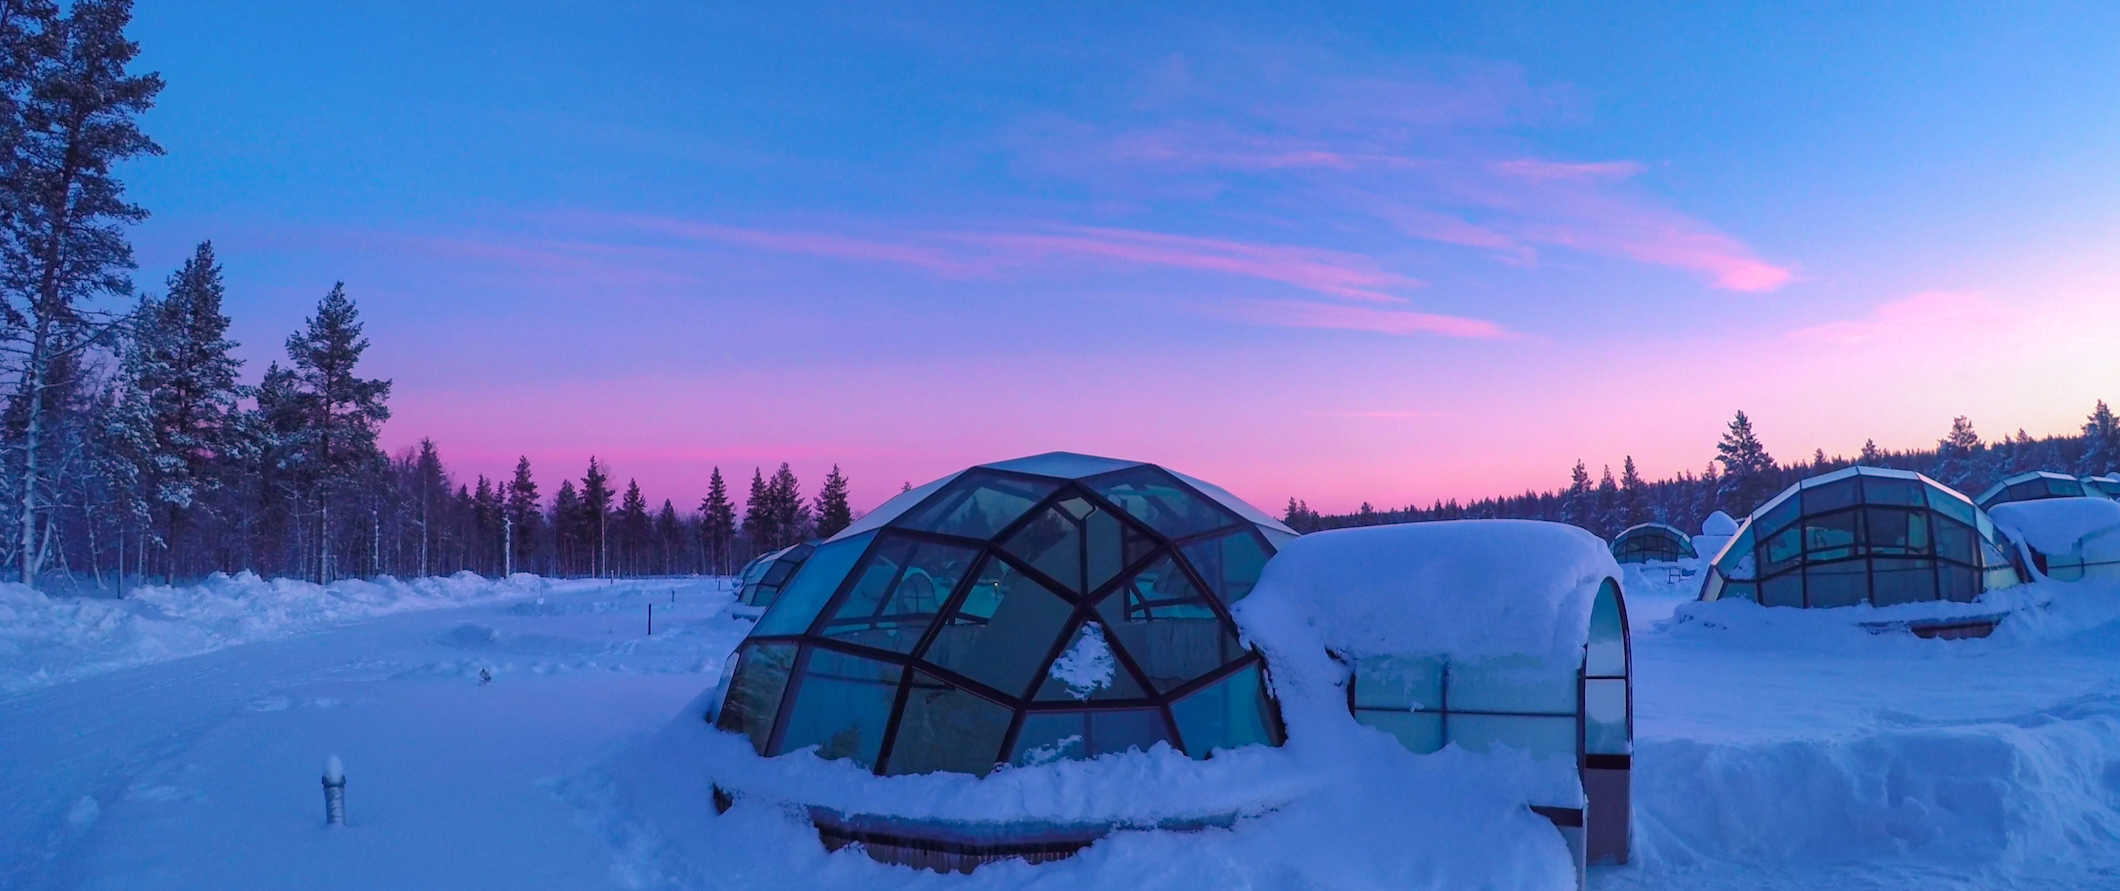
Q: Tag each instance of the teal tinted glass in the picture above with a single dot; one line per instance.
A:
(1230, 563)
(946, 728)
(804, 595)
(1161, 503)
(1003, 636)
(897, 592)
(754, 690)
(977, 505)
(840, 704)
(1051, 736)
(1226, 714)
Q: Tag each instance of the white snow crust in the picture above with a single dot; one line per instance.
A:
(2057, 525)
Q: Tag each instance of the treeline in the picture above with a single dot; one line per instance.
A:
(1743, 475)
(133, 449)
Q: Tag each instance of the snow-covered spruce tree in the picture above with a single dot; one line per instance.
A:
(485, 527)
(833, 511)
(758, 516)
(569, 542)
(1634, 497)
(669, 538)
(2101, 442)
(717, 525)
(184, 365)
(1957, 461)
(596, 518)
(520, 504)
(430, 491)
(343, 412)
(1747, 470)
(1575, 503)
(1606, 517)
(635, 530)
(791, 512)
(70, 121)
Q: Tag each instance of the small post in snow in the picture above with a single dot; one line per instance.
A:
(651, 620)
(334, 792)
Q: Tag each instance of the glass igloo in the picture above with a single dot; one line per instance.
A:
(764, 576)
(1651, 543)
(1862, 535)
(2031, 486)
(1050, 607)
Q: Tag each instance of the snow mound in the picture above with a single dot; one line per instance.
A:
(1465, 589)
(1718, 523)
(2056, 525)
(45, 639)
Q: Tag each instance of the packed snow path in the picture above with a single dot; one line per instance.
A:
(204, 772)
(1775, 749)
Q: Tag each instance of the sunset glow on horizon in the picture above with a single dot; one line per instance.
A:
(1384, 257)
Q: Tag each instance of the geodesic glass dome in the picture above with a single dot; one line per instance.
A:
(2030, 486)
(1651, 542)
(1862, 534)
(764, 576)
(1056, 606)
(2105, 485)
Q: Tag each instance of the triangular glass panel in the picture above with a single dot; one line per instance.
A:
(1088, 669)
(1051, 543)
(1004, 632)
(1161, 619)
(897, 593)
(1160, 501)
(977, 505)
(1111, 544)
(1230, 563)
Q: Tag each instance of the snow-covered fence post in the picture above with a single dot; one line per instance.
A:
(651, 620)
(334, 792)
(507, 545)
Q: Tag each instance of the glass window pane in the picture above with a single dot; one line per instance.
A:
(1398, 683)
(1902, 581)
(1783, 550)
(1230, 563)
(947, 728)
(978, 504)
(1087, 670)
(1226, 714)
(1779, 515)
(1605, 718)
(754, 690)
(1951, 505)
(1886, 490)
(1831, 496)
(1894, 531)
(1954, 541)
(1510, 685)
(1113, 544)
(1741, 591)
(841, 705)
(1420, 732)
(1542, 736)
(1052, 544)
(1163, 622)
(1004, 632)
(798, 603)
(1832, 536)
(1957, 582)
(1782, 590)
(1845, 583)
(1607, 654)
(1161, 502)
(897, 591)
(1051, 736)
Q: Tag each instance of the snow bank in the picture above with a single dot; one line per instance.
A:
(1467, 589)
(2056, 525)
(1745, 623)
(1718, 523)
(45, 639)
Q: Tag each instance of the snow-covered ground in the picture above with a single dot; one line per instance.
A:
(177, 742)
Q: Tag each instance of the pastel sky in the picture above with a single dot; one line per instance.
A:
(1385, 252)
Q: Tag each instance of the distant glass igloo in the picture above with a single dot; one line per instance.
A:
(1862, 535)
(765, 575)
(1050, 607)
(2030, 486)
(1652, 542)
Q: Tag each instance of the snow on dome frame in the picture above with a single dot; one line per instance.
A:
(2031, 486)
(767, 573)
(1862, 535)
(1652, 542)
(1484, 633)
(2064, 539)
(1050, 607)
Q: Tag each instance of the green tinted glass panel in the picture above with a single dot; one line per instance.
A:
(946, 728)
(1901, 580)
(1954, 541)
(1605, 718)
(1398, 683)
(1420, 732)
(1052, 544)
(1897, 532)
(1542, 736)
(1831, 496)
(1230, 563)
(754, 690)
(1003, 636)
(798, 603)
(1886, 490)
(1051, 736)
(841, 704)
(1782, 590)
(1607, 654)
(899, 589)
(977, 505)
(1952, 506)
(1832, 536)
(1159, 619)
(1226, 714)
(1161, 502)
(1845, 583)
(1780, 515)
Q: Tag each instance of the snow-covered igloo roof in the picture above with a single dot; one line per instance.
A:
(2059, 525)
(1464, 589)
(1643, 542)
(1718, 523)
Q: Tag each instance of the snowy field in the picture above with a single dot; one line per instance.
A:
(175, 740)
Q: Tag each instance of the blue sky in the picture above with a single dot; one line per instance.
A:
(1376, 252)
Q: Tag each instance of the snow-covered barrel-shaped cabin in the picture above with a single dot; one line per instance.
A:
(2031, 486)
(1652, 543)
(764, 576)
(2064, 539)
(1482, 634)
(1048, 608)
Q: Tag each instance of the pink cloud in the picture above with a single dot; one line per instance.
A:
(1541, 170)
(1298, 314)
(1922, 318)
(1336, 273)
(817, 244)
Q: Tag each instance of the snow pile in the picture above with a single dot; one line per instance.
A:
(2057, 525)
(1464, 589)
(1715, 534)
(1745, 623)
(45, 639)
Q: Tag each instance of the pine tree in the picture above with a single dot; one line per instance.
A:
(717, 524)
(758, 515)
(344, 411)
(1608, 508)
(595, 517)
(1634, 498)
(791, 515)
(2101, 442)
(1748, 471)
(1818, 461)
(1575, 503)
(63, 215)
(669, 536)
(486, 526)
(1871, 456)
(833, 512)
(430, 491)
(522, 513)
(1957, 455)
(181, 365)
(568, 539)
(635, 532)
